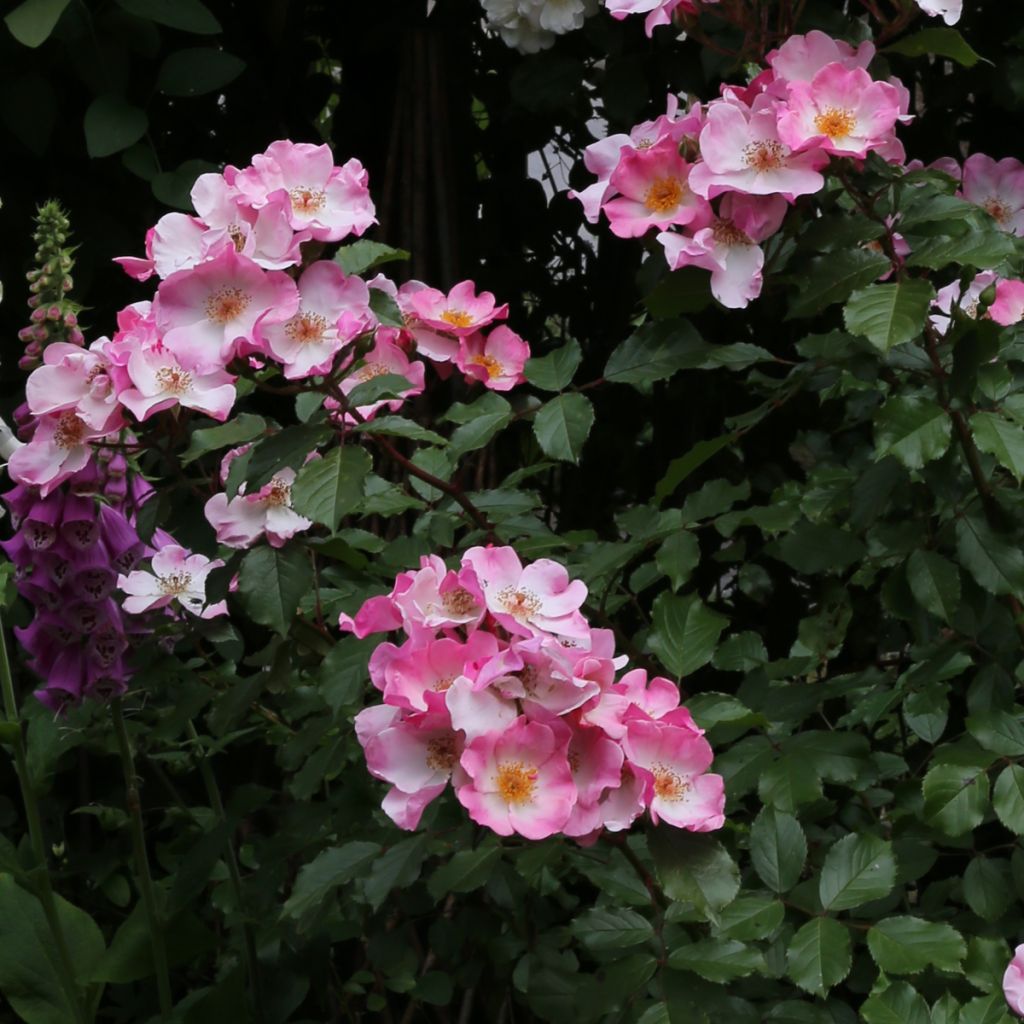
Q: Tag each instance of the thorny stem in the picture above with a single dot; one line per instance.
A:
(145, 878)
(235, 875)
(41, 875)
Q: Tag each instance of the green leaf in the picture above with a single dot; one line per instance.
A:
(943, 42)
(554, 371)
(112, 124)
(30, 972)
(718, 960)
(986, 883)
(330, 869)
(678, 556)
(900, 1003)
(466, 871)
(694, 868)
(915, 430)
(186, 15)
(656, 351)
(1008, 798)
(935, 583)
(819, 955)
(396, 869)
(829, 279)
(243, 427)
(130, 956)
(685, 632)
(603, 929)
(376, 389)
(907, 945)
(272, 582)
(995, 562)
(889, 314)
(819, 547)
(778, 849)
(358, 257)
(484, 418)
(679, 469)
(197, 71)
(32, 22)
(998, 731)
(563, 425)
(287, 448)
(399, 426)
(857, 869)
(327, 489)
(1001, 439)
(385, 309)
(955, 797)
(755, 916)
(982, 245)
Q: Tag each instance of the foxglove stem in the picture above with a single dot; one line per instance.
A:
(35, 829)
(145, 878)
(249, 942)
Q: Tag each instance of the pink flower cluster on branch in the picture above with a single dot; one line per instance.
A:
(502, 688)
(716, 181)
(242, 290)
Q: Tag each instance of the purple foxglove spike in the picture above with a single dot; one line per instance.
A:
(119, 539)
(80, 525)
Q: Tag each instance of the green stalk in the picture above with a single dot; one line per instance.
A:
(248, 940)
(145, 879)
(65, 966)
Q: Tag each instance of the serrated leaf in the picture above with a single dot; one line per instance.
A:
(819, 955)
(717, 960)
(985, 246)
(778, 849)
(908, 945)
(112, 124)
(998, 731)
(1001, 439)
(857, 869)
(397, 868)
(554, 371)
(241, 428)
(272, 582)
(678, 557)
(829, 279)
(467, 870)
(376, 389)
(995, 562)
(694, 868)
(197, 71)
(685, 632)
(399, 426)
(287, 448)
(327, 489)
(935, 583)
(943, 42)
(754, 916)
(562, 426)
(900, 1003)
(609, 928)
(986, 883)
(955, 797)
(889, 314)
(488, 416)
(330, 869)
(915, 430)
(656, 351)
(358, 257)
(1008, 798)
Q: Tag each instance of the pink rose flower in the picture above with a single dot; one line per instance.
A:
(1013, 982)
(497, 360)
(176, 575)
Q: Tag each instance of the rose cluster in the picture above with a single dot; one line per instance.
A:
(242, 290)
(502, 688)
(660, 12)
(716, 181)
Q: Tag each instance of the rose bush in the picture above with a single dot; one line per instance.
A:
(706, 598)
